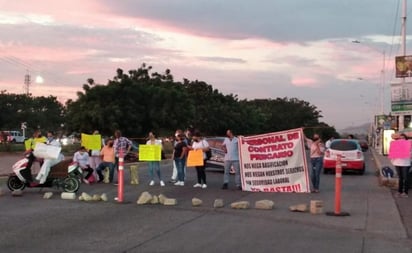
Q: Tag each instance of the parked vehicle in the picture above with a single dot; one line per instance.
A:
(12, 136)
(217, 160)
(66, 175)
(364, 145)
(351, 153)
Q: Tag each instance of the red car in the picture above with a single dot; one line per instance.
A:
(351, 153)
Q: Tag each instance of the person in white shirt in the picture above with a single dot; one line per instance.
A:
(82, 158)
(200, 143)
(48, 163)
(402, 164)
(231, 149)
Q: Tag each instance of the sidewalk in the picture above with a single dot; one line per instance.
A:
(404, 205)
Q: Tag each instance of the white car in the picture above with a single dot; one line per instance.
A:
(351, 156)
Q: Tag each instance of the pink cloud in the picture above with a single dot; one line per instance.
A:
(304, 82)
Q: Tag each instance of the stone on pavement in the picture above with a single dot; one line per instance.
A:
(104, 197)
(218, 203)
(86, 197)
(264, 204)
(144, 198)
(68, 195)
(169, 202)
(155, 200)
(299, 208)
(196, 202)
(316, 206)
(162, 198)
(240, 205)
(47, 195)
(96, 197)
(17, 193)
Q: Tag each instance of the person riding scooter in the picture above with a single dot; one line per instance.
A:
(48, 163)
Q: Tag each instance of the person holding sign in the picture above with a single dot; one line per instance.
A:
(154, 165)
(400, 155)
(231, 148)
(48, 163)
(202, 144)
(316, 159)
(94, 154)
(179, 156)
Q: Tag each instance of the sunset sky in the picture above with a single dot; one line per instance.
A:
(255, 49)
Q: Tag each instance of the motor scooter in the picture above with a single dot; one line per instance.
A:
(65, 174)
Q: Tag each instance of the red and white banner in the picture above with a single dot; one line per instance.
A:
(274, 162)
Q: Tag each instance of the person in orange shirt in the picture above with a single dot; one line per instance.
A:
(108, 159)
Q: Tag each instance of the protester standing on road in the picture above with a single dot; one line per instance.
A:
(200, 143)
(108, 158)
(317, 149)
(94, 154)
(231, 149)
(400, 155)
(173, 179)
(121, 145)
(154, 165)
(179, 156)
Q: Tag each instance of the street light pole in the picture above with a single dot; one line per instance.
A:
(401, 121)
(382, 77)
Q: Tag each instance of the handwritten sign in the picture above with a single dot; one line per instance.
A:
(150, 152)
(92, 141)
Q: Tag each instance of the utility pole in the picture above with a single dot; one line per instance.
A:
(27, 83)
(403, 34)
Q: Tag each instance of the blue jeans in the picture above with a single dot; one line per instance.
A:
(226, 175)
(180, 166)
(154, 165)
(317, 164)
(102, 166)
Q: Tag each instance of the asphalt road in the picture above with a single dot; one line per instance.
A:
(32, 224)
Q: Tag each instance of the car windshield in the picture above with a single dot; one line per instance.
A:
(344, 145)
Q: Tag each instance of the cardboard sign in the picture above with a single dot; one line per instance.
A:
(195, 158)
(150, 153)
(399, 149)
(92, 141)
(46, 151)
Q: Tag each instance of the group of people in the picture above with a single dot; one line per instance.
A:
(184, 142)
(97, 161)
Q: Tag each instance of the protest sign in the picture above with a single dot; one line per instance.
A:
(46, 151)
(92, 141)
(195, 158)
(274, 162)
(150, 152)
(399, 149)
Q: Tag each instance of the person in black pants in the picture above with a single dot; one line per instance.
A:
(200, 143)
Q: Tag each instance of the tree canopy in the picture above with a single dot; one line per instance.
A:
(141, 100)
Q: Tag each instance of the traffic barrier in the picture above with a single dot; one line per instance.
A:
(134, 174)
(338, 189)
(120, 178)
